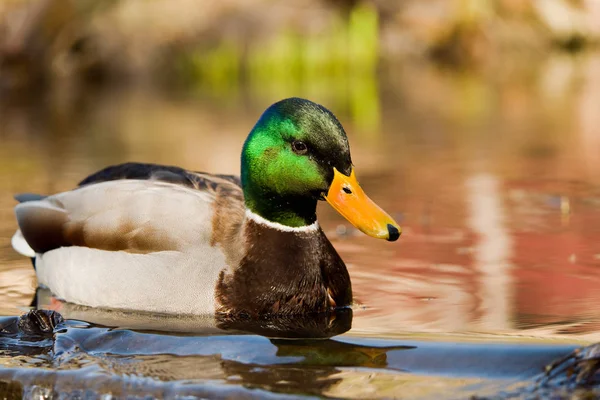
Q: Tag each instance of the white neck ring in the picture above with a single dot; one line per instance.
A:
(280, 227)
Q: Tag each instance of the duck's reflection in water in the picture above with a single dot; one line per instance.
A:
(304, 326)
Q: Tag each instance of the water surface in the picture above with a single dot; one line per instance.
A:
(494, 176)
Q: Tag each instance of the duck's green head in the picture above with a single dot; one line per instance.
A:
(297, 154)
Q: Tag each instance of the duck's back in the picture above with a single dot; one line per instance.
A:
(137, 236)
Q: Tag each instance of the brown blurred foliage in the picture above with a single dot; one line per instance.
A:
(41, 40)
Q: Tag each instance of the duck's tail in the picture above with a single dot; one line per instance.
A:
(18, 241)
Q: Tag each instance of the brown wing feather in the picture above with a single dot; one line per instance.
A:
(46, 228)
(227, 223)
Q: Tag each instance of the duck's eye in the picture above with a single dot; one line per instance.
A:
(299, 147)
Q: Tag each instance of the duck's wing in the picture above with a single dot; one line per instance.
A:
(137, 208)
(163, 173)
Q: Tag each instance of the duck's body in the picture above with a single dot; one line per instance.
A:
(163, 239)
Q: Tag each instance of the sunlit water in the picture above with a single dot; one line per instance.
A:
(495, 179)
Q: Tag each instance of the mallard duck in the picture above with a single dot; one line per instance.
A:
(164, 239)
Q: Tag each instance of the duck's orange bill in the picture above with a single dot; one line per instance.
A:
(347, 197)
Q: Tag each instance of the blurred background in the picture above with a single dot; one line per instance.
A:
(475, 122)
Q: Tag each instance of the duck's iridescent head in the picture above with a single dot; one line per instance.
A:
(298, 153)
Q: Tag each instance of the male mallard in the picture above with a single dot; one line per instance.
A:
(164, 239)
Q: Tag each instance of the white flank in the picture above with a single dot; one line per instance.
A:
(168, 282)
(280, 227)
(20, 244)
